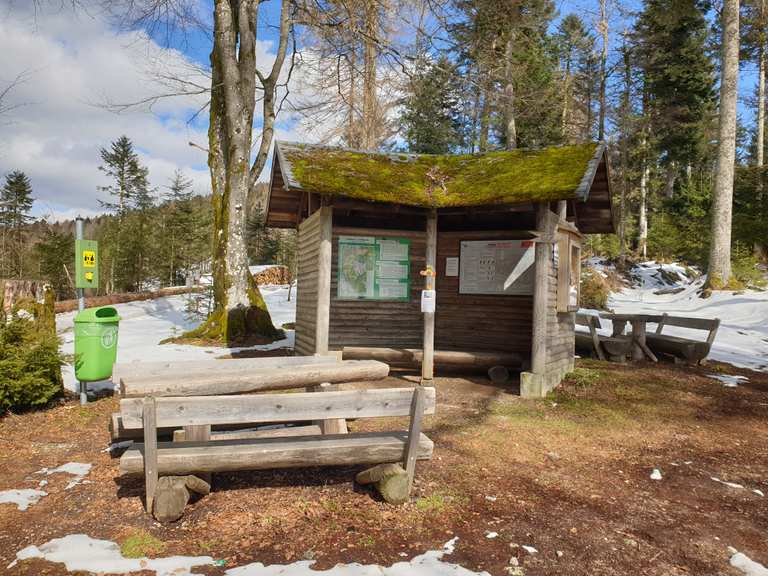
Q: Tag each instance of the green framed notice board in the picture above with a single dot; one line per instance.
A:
(86, 264)
(373, 268)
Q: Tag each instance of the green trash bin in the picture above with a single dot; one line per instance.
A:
(95, 343)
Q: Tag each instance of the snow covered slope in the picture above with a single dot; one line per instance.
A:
(144, 324)
(742, 339)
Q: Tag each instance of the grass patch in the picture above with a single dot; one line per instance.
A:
(141, 543)
(438, 501)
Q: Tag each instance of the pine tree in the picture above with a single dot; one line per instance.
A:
(132, 197)
(430, 118)
(15, 204)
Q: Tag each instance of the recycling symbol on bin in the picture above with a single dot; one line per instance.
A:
(108, 337)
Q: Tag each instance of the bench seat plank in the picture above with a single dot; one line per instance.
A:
(691, 350)
(301, 406)
(268, 453)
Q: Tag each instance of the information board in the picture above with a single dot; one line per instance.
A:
(86, 264)
(372, 268)
(497, 267)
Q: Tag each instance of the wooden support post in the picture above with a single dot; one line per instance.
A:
(541, 293)
(324, 257)
(333, 425)
(428, 361)
(562, 209)
(414, 433)
(198, 433)
(149, 418)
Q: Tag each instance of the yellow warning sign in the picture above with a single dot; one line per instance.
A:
(89, 259)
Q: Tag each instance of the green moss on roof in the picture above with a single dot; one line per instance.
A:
(506, 177)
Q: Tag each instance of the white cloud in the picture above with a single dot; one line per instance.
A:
(74, 61)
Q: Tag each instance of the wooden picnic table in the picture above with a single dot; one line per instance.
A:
(638, 322)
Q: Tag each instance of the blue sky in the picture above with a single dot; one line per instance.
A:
(72, 62)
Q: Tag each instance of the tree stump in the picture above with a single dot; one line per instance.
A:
(173, 493)
(389, 479)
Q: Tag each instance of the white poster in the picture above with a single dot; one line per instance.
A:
(496, 267)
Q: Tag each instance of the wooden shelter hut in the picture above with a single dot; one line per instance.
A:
(501, 232)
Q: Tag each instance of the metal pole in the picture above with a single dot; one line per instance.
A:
(81, 305)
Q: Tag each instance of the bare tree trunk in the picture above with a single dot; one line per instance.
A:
(510, 124)
(239, 310)
(353, 139)
(670, 179)
(759, 248)
(370, 112)
(485, 119)
(642, 220)
(603, 72)
(722, 207)
(624, 153)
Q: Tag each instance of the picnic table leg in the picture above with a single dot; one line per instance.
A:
(640, 349)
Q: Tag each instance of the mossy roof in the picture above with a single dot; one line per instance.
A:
(451, 180)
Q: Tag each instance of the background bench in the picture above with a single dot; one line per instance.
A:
(688, 349)
(614, 348)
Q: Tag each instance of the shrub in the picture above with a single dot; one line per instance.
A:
(30, 364)
(746, 268)
(594, 290)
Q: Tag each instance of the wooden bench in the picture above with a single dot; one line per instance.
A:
(614, 348)
(686, 349)
(219, 454)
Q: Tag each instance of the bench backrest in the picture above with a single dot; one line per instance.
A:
(588, 320)
(709, 324)
(260, 408)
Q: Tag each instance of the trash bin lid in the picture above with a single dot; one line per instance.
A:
(100, 315)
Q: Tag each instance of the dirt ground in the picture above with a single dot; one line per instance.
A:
(569, 475)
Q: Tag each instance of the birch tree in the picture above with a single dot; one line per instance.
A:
(722, 205)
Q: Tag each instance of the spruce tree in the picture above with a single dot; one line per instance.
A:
(15, 204)
(430, 117)
(180, 226)
(131, 196)
(671, 44)
(54, 253)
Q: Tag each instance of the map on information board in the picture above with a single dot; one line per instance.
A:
(496, 267)
(372, 268)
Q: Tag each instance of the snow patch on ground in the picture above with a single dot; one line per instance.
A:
(76, 469)
(79, 552)
(428, 564)
(728, 380)
(746, 564)
(23, 498)
(145, 323)
(742, 339)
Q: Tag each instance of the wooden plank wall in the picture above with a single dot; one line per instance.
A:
(462, 322)
(560, 329)
(306, 284)
(378, 324)
(479, 322)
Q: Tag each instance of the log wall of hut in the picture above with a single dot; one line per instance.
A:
(373, 323)
(560, 330)
(306, 285)
(462, 321)
(475, 321)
